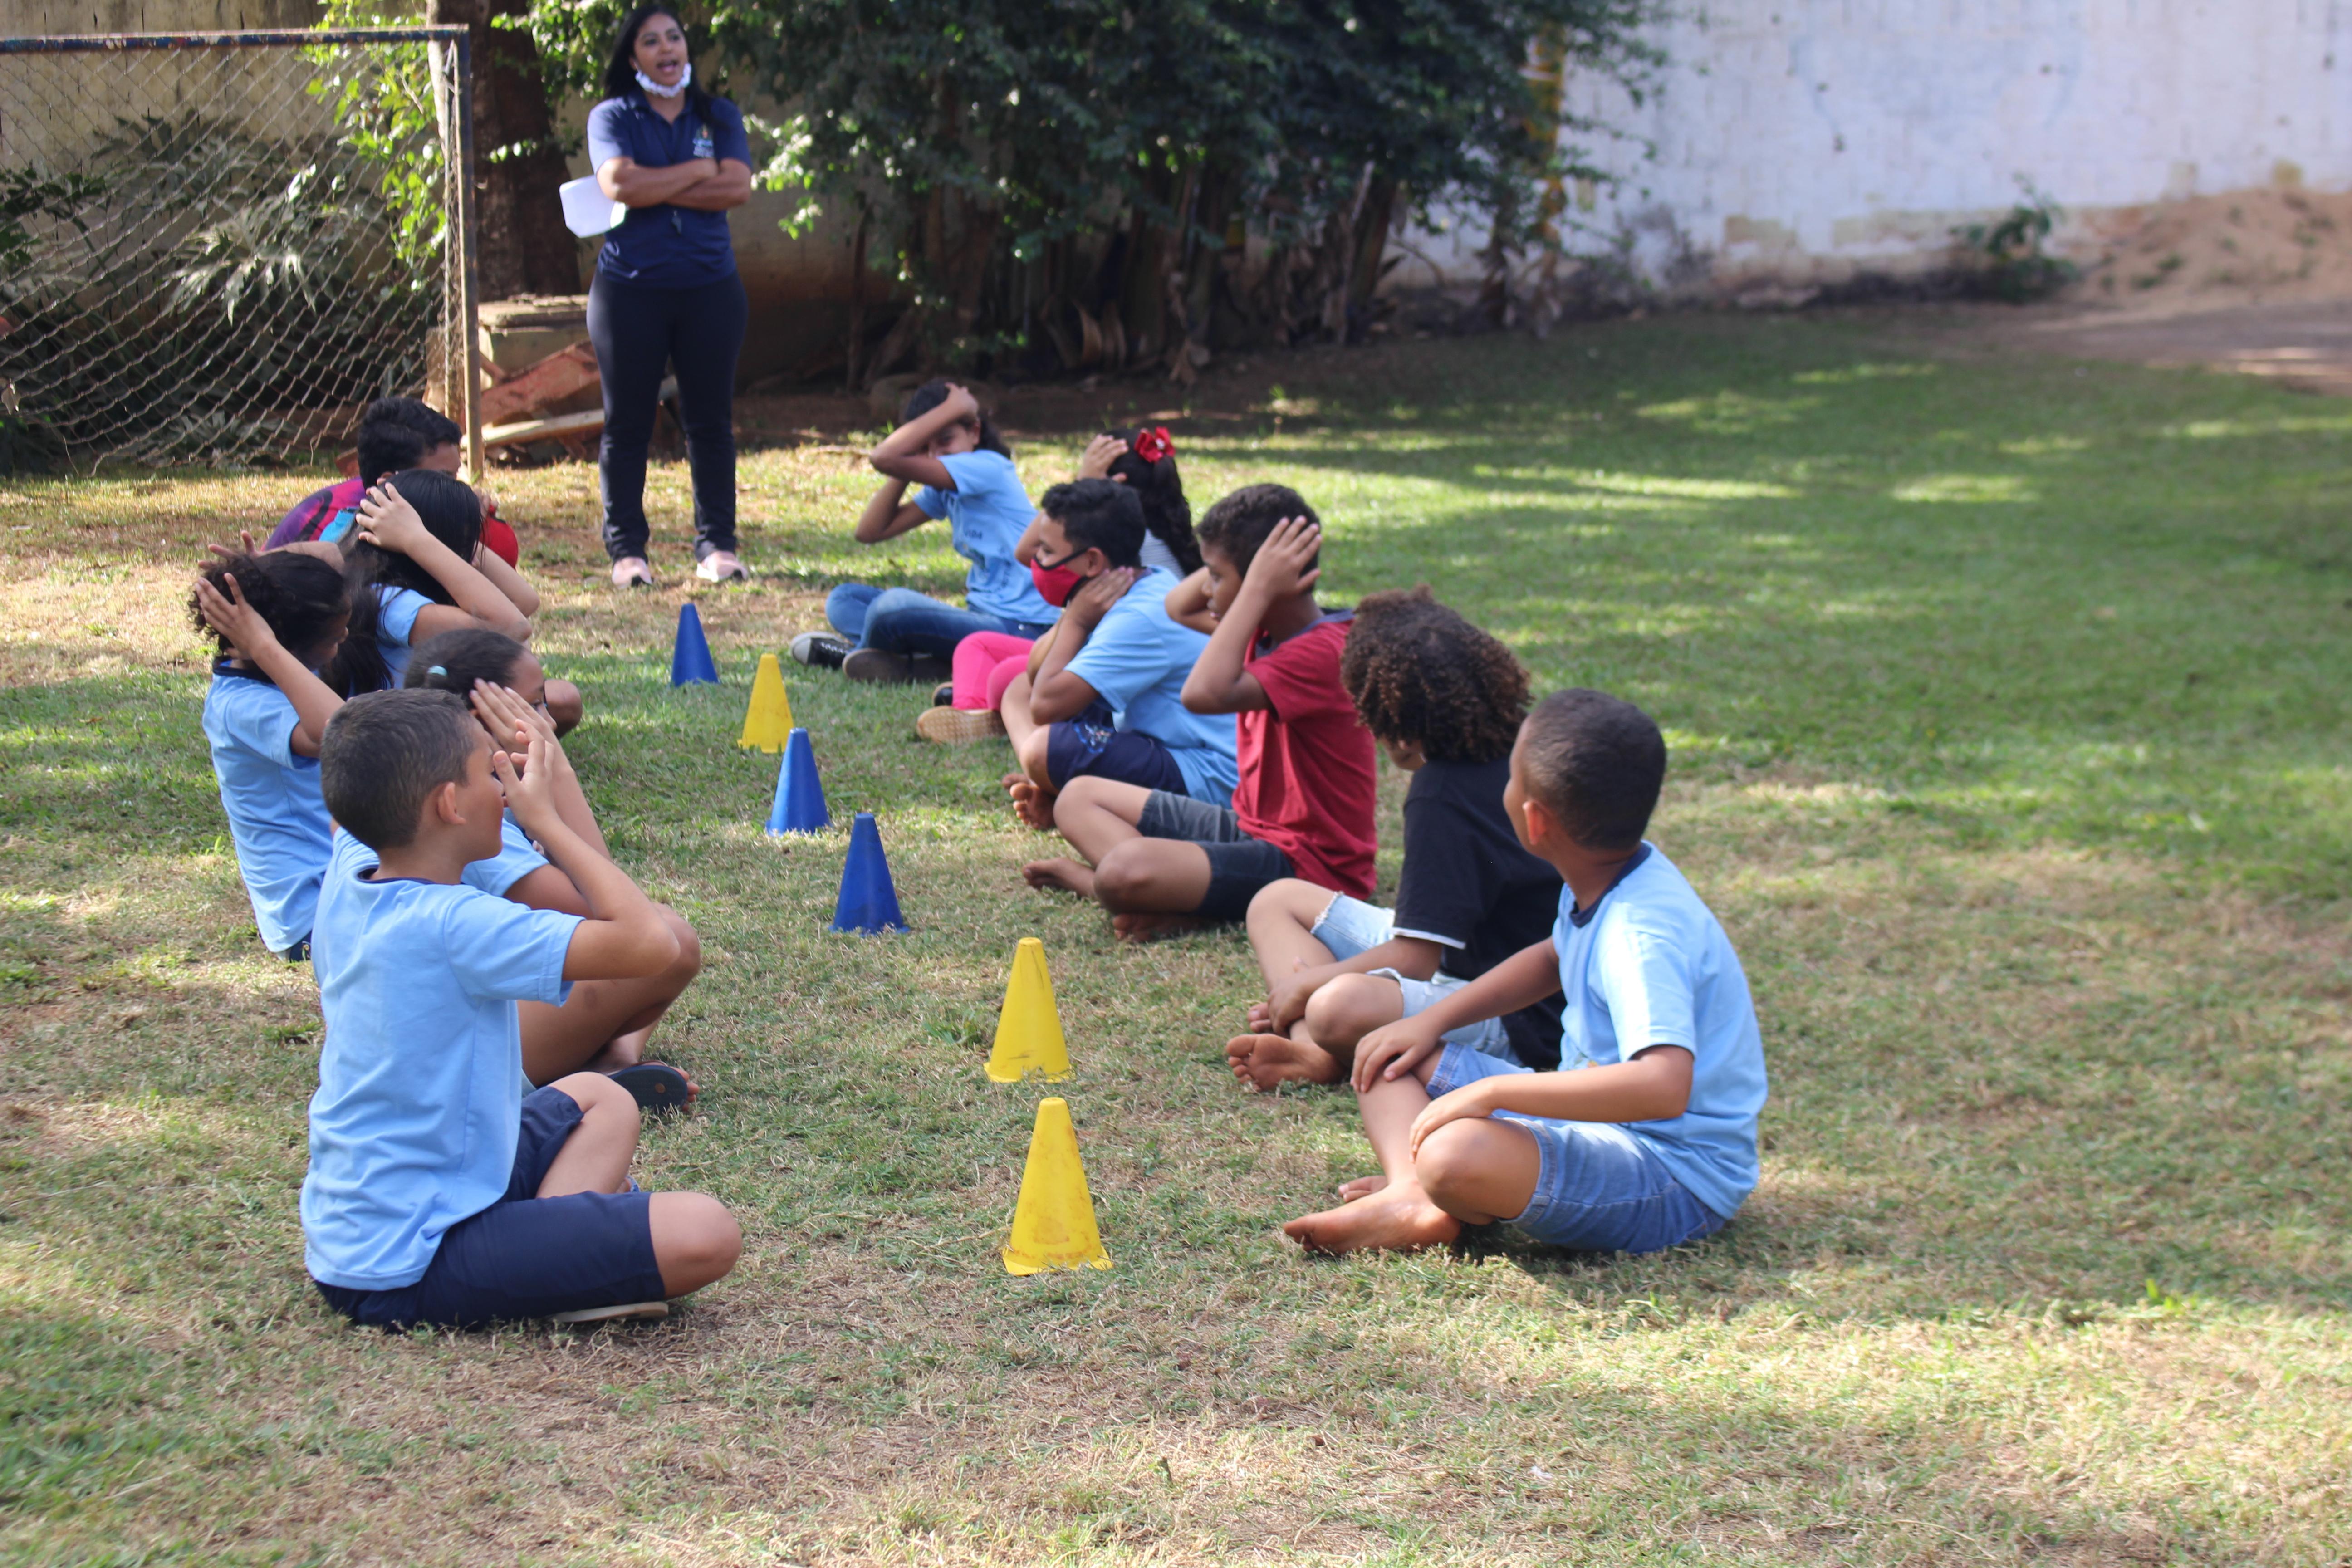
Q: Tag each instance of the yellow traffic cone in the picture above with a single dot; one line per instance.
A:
(768, 722)
(1029, 1029)
(1054, 1224)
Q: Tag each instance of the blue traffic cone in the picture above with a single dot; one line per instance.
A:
(868, 903)
(799, 797)
(690, 664)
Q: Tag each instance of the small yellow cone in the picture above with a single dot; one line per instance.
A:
(768, 722)
(1029, 1029)
(1054, 1224)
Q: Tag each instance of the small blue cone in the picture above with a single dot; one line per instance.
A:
(690, 664)
(868, 903)
(799, 797)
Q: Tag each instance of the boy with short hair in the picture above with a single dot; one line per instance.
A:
(1106, 697)
(396, 435)
(438, 1190)
(1303, 805)
(1648, 1139)
(1445, 700)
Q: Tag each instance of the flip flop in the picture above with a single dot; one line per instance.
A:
(657, 1086)
(630, 1311)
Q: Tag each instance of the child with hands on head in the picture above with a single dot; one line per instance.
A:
(277, 617)
(948, 448)
(414, 574)
(1107, 702)
(1302, 803)
(1445, 700)
(440, 1192)
(604, 1026)
(1647, 1137)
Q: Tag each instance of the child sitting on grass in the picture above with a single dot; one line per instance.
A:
(395, 434)
(986, 664)
(947, 446)
(278, 617)
(1107, 700)
(1303, 804)
(413, 576)
(1445, 700)
(604, 1026)
(1648, 1139)
(439, 1192)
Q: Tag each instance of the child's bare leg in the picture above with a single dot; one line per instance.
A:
(1095, 816)
(1281, 922)
(696, 1240)
(1281, 925)
(604, 1025)
(1476, 1163)
(1032, 788)
(596, 1158)
(1151, 886)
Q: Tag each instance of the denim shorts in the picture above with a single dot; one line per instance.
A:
(1598, 1188)
(1238, 865)
(526, 1256)
(1349, 926)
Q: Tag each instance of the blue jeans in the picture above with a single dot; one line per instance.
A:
(899, 620)
(1598, 1186)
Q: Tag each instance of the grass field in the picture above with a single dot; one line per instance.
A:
(2008, 708)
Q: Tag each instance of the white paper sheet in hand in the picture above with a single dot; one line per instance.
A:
(587, 210)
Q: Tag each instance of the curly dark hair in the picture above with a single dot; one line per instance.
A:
(299, 595)
(1418, 672)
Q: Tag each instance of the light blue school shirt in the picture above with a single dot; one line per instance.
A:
(1650, 966)
(515, 860)
(420, 1081)
(276, 817)
(1135, 660)
(987, 512)
(396, 619)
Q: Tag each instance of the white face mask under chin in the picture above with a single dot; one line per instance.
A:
(656, 90)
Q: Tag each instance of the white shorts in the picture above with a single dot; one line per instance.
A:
(1349, 926)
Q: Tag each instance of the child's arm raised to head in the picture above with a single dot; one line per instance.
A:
(1522, 980)
(904, 454)
(509, 581)
(1056, 694)
(389, 523)
(516, 723)
(624, 937)
(890, 514)
(1655, 1086)
(1280, 570)
(1188, 604)
(249, 635)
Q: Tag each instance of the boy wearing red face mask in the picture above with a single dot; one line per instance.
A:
(972, 707)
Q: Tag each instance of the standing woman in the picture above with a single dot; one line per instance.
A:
(665, 290)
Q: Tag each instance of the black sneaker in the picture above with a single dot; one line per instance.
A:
(821, 650)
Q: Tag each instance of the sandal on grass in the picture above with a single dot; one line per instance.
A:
(655, 1086)
(629, 1312)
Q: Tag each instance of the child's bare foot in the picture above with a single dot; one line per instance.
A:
(1143, 926)
(1030, 803)
(1060, 872)
(1397, 1218)
(1361, 1187)
(1269, 1062)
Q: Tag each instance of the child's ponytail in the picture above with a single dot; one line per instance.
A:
(1149, 466)
(300, 596)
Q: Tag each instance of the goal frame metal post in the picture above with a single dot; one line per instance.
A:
(468, 287)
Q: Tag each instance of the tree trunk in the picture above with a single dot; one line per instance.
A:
(522, 246)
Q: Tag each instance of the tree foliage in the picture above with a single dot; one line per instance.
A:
(1126, 181)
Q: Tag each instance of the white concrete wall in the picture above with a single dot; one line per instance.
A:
(1802, 140)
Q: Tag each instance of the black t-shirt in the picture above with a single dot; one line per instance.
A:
(1467, 884)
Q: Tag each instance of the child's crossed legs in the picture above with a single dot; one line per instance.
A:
(1159, 862)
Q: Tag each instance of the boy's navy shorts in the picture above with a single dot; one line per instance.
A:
(526, 1256)
(1078, 748)
(1238, 865)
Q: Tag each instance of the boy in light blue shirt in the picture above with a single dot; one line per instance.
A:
(1646, 1137)
(1107, 700)
(947, 446)
(439, 1191)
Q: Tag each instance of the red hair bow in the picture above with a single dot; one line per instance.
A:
(1153, 444)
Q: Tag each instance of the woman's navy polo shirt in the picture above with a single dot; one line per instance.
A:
(667, 247)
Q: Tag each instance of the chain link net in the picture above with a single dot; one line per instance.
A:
(219, 254)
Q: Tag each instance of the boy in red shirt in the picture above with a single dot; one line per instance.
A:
(1304, 805)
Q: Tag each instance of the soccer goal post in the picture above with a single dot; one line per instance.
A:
(216, 247)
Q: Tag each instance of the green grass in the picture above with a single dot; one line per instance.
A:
(2007, 704)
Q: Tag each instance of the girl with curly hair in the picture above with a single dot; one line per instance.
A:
(1445, 700)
